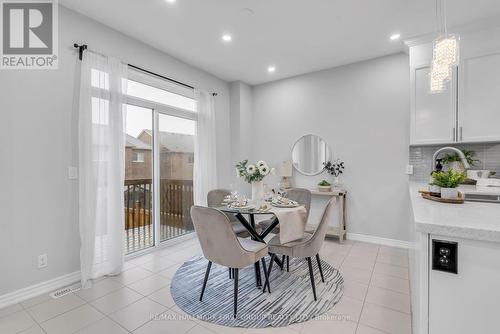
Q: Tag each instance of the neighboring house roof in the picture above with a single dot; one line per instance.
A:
(133, 142)
(174, 142)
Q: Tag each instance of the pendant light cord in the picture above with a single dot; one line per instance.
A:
(444, 17)
(441, 20)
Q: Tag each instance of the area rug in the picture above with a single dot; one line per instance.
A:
(291, 300)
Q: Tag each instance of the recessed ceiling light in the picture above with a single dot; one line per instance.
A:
(170, 1)
(395, 37)
(271, 69)
(226, 38)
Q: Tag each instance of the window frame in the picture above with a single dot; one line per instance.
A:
(136, 155)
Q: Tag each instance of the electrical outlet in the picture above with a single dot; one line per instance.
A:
(42, 261)
(72, 173)
(409, 169)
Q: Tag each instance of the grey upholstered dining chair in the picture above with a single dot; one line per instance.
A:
(307, 247)
(220, 245)
(214, 199)
(301, 196)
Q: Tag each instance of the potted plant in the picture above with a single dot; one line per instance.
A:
(434, 189)
(448, 181)
(452, 160)
(334, 168)
(324, 186)
(254, 174)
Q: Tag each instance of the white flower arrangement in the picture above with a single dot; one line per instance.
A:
(252, 173)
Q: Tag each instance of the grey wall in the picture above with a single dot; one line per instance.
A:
(38, 133)
(362, 111)
(488, 155)
(240, 120)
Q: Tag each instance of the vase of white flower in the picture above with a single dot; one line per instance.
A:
(257, 190)
(254, 174)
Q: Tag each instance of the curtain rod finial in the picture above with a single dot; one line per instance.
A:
(81, 48)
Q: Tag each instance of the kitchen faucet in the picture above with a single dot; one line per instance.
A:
(449, 148)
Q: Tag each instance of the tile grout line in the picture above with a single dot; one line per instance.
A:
(74, 308)
(105, 316)
(367, 289)
(34, 320)
(387, 308)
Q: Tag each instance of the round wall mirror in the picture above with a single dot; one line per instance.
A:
(309, 153)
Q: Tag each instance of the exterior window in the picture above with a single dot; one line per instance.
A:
(150, 93)
(138, 157)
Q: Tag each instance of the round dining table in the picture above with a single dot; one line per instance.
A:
(250, 226)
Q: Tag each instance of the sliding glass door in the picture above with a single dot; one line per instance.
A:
(138, 187)
(176, 156)
(158, 189)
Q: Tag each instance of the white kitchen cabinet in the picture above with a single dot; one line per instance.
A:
(467, 302)
(469, 109)
(479, 98)
(433, 116)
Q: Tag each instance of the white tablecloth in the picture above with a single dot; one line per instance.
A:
(292, 223)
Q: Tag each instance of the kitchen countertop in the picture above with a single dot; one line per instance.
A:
(471, 220)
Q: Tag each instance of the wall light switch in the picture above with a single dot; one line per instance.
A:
(42, 261)
(409, 169)
(72, 173)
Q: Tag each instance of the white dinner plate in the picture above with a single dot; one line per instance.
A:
(246, 207)
(291, 205)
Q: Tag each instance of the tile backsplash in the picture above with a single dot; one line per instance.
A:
(421, 156)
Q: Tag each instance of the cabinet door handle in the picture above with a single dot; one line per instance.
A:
(454, 134)
(461, 134)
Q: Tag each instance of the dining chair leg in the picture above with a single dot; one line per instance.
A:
(282, 262)
(266, 276)
(288, 263)
(320, 268)
(311, 274)
(271, 265)
(207, 272)
(235, 291)
(230, 273)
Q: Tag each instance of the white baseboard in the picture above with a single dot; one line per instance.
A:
(378, 240)
(38, 289)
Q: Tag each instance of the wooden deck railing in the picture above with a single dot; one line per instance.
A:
(176, 199)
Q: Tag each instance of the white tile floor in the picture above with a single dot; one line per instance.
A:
(376, 298)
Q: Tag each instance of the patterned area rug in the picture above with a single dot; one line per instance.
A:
(291, 300)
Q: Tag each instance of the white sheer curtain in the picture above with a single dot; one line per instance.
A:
(101, 139)
(205, 167)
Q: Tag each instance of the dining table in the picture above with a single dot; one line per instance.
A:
(251, 227)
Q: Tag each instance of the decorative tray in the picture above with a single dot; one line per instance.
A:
(437, 197)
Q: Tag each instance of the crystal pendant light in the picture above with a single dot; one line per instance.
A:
(439, 76)
(445, 52)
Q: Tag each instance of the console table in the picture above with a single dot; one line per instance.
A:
(341, 194)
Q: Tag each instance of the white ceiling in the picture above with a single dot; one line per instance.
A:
(295, 36)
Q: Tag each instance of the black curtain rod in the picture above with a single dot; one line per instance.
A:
(160, 76)
(83, 47)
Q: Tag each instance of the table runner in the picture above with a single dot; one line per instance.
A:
(292, 223)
